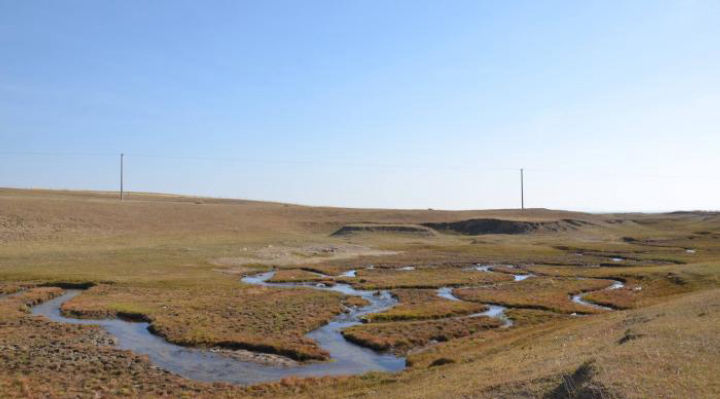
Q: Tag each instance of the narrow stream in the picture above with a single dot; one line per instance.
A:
(579, 298)
(349, 273)
(495, 311)
(207, 365)
(498, 311)
(516, 277)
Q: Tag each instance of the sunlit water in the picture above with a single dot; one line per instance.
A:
(516, 277)
(349, 273)
(205, 365)
(578, 298)
(495, 311)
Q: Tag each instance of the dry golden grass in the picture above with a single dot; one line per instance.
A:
(644, 285)
(416, 304)
(55, 215)
(188, 253)
(538, 293)
(679, 328)
(610, 355)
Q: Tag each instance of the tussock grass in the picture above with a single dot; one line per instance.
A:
(531, 317)
(178, 263)
(11, 288)
(424, 278)
(16, 306)
(538, 293)
(264, 319)
(296, 276)
(418, 304)
(404, 336)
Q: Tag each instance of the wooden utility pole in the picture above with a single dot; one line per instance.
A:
(122, 192)
(522, 189)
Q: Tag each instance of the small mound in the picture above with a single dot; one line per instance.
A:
(501, 226)
(410, 229)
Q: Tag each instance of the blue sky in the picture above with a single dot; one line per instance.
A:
(609, 105)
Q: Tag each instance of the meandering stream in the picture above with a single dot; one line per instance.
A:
(579, 298)
(495, 311)
(207, 365)
(210, 365)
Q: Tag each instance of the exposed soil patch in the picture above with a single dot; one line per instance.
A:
(441, 362)
(629, 336)
(501, 226)
(579, 385)
(409, 229)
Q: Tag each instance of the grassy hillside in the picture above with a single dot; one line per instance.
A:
(177, 261)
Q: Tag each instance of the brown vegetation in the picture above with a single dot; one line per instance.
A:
(264, 319)
(296, 276)
(418, 304)
(403, 336)
(529, 317)
(538, 293)
(425, 278)
(500, 226)
(177, 260)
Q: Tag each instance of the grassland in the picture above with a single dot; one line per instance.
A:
(177, 261)
(417, 304)
(256, 318)
(424, 278)
(404, 336)
(539, 293)
(297, 276)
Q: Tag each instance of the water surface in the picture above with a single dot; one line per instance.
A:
(207, 365)
(495, 311)
(579, 298)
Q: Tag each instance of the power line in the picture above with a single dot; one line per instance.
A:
(60, 154)
(628, 172)
(316, 162)
(433, 166)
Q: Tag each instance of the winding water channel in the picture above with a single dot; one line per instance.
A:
(209, 365)
(495, 311)
(206, 365)
(580, 298)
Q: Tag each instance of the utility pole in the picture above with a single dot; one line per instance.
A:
(122, 193)
(522, 189)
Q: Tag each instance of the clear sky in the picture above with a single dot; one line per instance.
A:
(609, 105)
